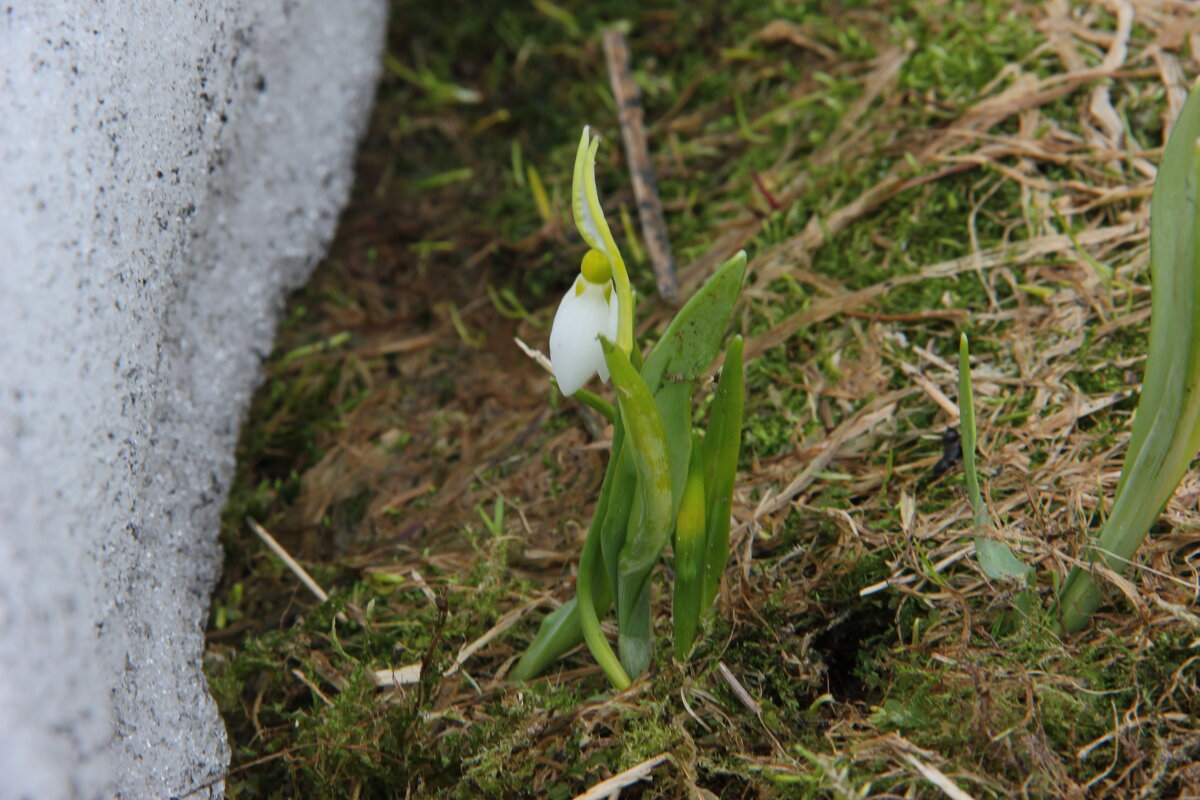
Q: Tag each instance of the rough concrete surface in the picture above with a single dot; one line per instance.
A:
(167, 172)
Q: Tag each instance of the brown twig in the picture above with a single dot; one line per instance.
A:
(645, 188)
(292, 564)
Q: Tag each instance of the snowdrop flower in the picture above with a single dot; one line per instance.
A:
(600, 301)
(587, 311)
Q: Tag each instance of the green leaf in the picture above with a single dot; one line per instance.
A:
(719, 452)
(651, 519)
(966, 414)
(618, 506)
(591, 574)
(635, 634)
(562, 629)
(684, 352)
(1166, 432)
(693, 339)
(674, 402)
(998, 561)
(689, 544)
(559, 632)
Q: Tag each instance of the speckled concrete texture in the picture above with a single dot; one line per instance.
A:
(167, 172)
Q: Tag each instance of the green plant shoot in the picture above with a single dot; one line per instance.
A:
(664, 481)
(1166, 425)
(995, 558)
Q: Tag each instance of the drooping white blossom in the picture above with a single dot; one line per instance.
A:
(600, 301)
(587, 311)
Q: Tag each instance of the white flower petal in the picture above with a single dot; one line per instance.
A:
(575, 350)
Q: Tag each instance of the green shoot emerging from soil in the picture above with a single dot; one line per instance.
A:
(1166, 427)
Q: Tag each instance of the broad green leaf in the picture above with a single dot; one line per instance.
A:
(693, 339)
(559, 632)
(719, 452)
(595, 586)
(650, 521)
(616, 502)
(1166, 432)
(635, 632)
(685, 351)
(674, 402)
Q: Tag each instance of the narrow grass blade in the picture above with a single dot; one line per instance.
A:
(540, 198)
(689, 544)
(1166, 433)
(719, 452)
(966, 415)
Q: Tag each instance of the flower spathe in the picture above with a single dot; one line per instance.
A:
(600, 301)
(587, 312)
